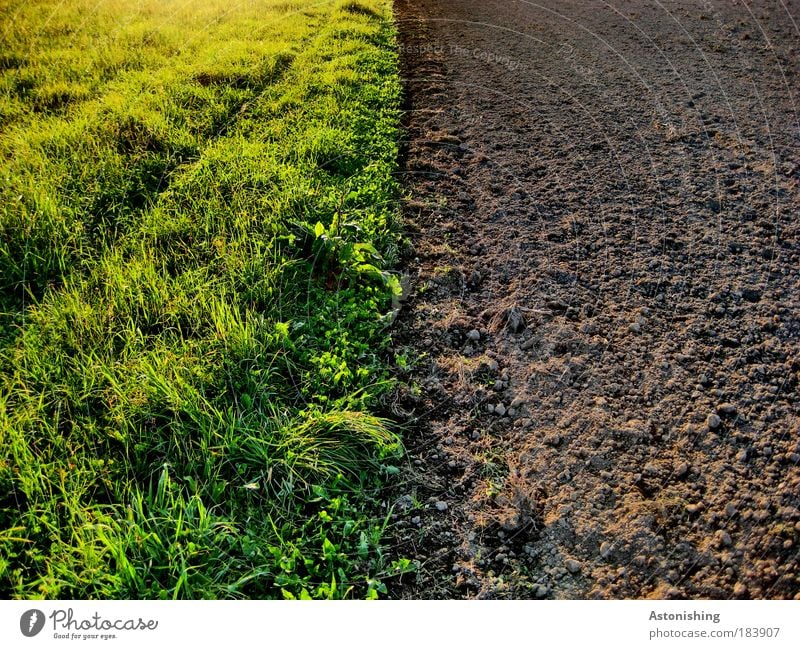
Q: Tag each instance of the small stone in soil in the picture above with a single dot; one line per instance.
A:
(572, 565)
(515, 321)
(713, 421)
(724, 538)
(416, 520)
(474, 335)
(500, 409)
(681, 469)
(726, 409)
(739, 590)
(405, 502)
(440, 505)
(650, 469)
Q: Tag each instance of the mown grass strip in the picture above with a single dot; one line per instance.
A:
(194, 236)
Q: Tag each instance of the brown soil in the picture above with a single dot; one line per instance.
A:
(604, 218)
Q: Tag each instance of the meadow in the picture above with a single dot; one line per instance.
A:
(197, 218)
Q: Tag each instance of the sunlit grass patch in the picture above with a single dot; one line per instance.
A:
(197, 211)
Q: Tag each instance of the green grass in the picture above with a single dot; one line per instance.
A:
(197, 211)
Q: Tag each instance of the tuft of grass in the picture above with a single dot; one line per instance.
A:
(197, 215)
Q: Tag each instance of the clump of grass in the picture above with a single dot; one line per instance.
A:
(195, 226)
